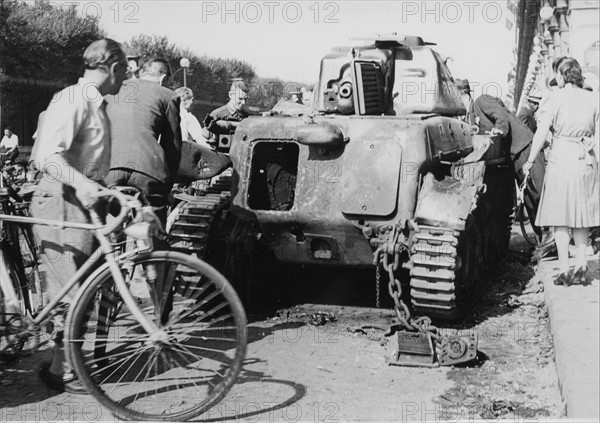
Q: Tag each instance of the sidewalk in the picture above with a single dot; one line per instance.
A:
(575, 326)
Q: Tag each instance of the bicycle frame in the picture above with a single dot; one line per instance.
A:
(104, 251)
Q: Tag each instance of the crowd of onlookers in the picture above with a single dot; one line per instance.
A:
(110, 128)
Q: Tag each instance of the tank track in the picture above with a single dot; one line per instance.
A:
(448, 266)
(433, 274)
(189, 225)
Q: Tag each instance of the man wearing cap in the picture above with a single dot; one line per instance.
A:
(527, 112)
(492, 117)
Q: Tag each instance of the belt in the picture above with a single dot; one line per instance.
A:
(585, 143)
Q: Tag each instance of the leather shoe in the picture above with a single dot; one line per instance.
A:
(564, 279)
(56, 382)
(580, 276)
(595, 237)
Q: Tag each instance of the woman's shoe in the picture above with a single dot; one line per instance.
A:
(580, 276)
(564, 279)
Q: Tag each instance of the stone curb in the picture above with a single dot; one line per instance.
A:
(575, 326)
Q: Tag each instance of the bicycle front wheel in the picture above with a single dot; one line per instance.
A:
(138, 376)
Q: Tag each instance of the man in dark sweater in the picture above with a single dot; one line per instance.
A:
(225, 119)
(492, 117)
(146, 135)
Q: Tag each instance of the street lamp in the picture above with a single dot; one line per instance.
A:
(184, 63)
(546, 12)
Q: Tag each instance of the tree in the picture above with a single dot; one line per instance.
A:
(43, 41)
(208, 77)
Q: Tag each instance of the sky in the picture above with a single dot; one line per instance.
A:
(287, 39)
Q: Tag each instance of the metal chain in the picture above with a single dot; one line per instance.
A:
(382, 256)
(377, 287)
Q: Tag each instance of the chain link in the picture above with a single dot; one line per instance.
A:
(382, 258)
(377, 285)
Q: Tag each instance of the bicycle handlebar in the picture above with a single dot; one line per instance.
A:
(127, 203)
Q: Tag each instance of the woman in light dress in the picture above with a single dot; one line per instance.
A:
(190, 127)
(570, 197)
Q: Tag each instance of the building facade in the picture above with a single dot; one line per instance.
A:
(546, 30)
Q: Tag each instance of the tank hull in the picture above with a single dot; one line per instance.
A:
(338, 196)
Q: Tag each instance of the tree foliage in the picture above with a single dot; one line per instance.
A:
(43, 41)
(208, 77)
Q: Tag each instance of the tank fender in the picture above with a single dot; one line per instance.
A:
(199, 162)
(448, 203)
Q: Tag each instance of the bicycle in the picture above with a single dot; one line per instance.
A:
(152, 335)
(17, 245)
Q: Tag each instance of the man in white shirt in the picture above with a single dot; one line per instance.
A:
(73, 152)
(10, 142)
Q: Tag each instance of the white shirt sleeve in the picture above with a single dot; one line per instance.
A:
(62, 123)
(194, 128)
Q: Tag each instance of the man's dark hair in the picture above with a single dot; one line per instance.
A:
(156, 67)
(571, 72)
(239, 85)
(557, 63)
(103, 52)
(8, 129)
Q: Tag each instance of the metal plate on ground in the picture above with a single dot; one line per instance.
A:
(414, 349)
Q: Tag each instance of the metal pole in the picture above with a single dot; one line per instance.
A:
(184, 78)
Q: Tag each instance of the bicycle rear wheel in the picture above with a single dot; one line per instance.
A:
(141, 378)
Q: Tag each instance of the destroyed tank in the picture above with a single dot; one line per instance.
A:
(379, 170)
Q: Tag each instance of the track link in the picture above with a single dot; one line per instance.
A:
(433, 274)
(189, 224)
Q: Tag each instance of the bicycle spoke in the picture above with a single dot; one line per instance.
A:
(114, 363)
(112, 356)
(183, 349)
(135, 356)
(188, 377)
(211, 370)
(206, 338)
(208, 314)
(193, 310)
(177, 372)
(151, 362)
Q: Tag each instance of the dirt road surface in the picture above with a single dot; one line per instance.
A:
(336, 370)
